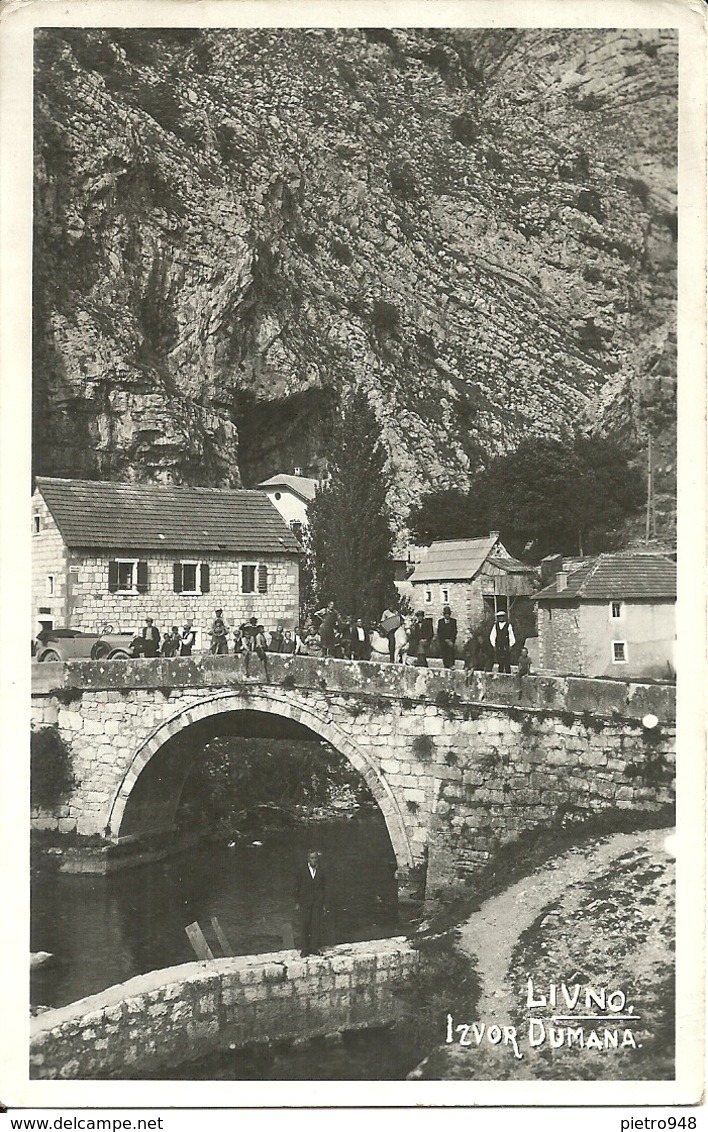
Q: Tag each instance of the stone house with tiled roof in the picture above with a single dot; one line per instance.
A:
(615, 616)
(114, 553)
(476, 577)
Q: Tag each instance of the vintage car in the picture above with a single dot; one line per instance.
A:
(73, 644)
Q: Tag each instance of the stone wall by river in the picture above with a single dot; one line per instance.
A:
(166, 1017)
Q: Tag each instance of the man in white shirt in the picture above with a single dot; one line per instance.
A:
(502, 640)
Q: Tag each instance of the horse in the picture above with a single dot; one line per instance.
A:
(379, 644)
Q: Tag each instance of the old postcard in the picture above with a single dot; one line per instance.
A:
(353, 495)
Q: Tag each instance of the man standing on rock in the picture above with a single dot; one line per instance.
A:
(310, 893)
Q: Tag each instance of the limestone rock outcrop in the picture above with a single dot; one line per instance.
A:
(232, 226)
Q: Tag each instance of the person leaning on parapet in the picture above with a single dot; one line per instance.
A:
(447, 635)
(329, 622)
(420, 638)
(255, 641)
(359, 641)
(239, 645)
(150, 638)
(474, 652)
(390, 621)
(276, 639)
(219, 634)
(502, 640)
(171, 642)
(187, 639)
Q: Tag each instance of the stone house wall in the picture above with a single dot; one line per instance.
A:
(92, 603)
(560, 639)
(175, 1015)
(49, 560)
(579, 639)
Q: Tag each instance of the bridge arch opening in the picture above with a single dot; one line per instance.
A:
(148, 796)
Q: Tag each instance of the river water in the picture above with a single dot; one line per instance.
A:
(102, 930)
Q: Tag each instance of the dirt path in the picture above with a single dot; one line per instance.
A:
(491, 934)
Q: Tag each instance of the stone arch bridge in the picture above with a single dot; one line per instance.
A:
(460, 764)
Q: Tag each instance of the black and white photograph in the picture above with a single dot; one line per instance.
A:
(356, 391)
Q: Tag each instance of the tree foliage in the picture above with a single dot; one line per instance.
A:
(51, 776)
(239, 779)
(350, 539)
(547, 495)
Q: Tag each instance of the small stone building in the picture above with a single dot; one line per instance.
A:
(114, 553)
(476, 577)
(291, 495)
(615, 616)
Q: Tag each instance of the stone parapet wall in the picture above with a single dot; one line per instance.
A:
(623, 699)
(156, 1021)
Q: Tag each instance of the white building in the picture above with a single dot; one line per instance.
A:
(291, 495)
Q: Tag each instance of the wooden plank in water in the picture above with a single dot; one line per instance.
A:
(195, 936)
(221, 936)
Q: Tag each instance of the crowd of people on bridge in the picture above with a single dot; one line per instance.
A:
(413, 640)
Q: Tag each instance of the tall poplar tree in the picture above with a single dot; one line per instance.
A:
(350, 537)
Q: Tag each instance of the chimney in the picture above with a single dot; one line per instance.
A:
(297, 471)
(561, 581)
(494, 535)
(550, 565)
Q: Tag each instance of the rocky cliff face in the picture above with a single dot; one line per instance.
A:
(233, 226)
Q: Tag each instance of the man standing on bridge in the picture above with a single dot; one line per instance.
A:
(310, 892)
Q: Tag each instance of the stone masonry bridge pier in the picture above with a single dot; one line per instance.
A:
(459, 763)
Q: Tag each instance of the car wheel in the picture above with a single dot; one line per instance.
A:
(119, 654)
(50, 654)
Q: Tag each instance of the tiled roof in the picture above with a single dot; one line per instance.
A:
(613, 577)
(300, 485)
(162, 516)
(453, 560)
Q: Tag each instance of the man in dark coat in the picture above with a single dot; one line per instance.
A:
(310, 895)
(420, 638)
(359, 642)
(447, 635)
(150, 637)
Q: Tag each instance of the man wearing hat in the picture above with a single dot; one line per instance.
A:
(502, 640)
(447, 635)
(219, 634)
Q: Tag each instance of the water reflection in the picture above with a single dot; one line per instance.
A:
(103, 930)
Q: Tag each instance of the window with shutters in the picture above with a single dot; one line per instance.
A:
(191, 578)
(254, 578)
(127, 576)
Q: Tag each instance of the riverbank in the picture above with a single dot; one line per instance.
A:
(600, 915)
